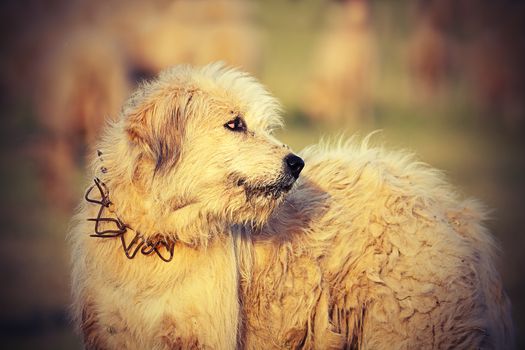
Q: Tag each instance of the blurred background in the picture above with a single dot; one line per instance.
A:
(441, 78)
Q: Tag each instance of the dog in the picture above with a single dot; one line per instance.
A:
(200, 230)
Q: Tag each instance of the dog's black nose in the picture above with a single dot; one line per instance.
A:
(295, 164)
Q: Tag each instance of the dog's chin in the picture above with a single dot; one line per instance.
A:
(261, 199)
(257, 199)
(273, 191)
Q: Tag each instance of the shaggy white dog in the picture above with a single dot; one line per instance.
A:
(201, 239)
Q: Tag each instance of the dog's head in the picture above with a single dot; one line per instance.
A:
(202, 138)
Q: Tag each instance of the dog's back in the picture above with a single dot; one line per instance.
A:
(375, 251)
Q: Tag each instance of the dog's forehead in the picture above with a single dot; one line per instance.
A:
(254, 104)
(240, 92)
(256, 116)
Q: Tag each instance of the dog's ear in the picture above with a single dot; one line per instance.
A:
(157, 126)
(137, 125)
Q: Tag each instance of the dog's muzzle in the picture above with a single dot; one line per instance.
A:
(290, 173)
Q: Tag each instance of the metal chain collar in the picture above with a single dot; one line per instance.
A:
(146, 246)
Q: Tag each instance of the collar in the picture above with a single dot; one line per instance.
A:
(158, 244)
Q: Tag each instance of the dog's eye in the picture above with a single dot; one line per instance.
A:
(236, 124)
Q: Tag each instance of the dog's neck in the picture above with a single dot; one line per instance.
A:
(114, 220)
(182, 219)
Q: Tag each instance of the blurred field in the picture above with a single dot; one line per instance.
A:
(450, 103)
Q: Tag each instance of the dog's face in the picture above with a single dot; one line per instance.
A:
(204, 138)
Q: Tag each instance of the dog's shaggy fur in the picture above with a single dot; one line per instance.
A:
(369, 250)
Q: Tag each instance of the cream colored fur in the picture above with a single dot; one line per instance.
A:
(369, 250)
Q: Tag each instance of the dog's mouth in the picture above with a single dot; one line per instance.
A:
(273, 190)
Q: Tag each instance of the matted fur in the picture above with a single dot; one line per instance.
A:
(370, 250)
